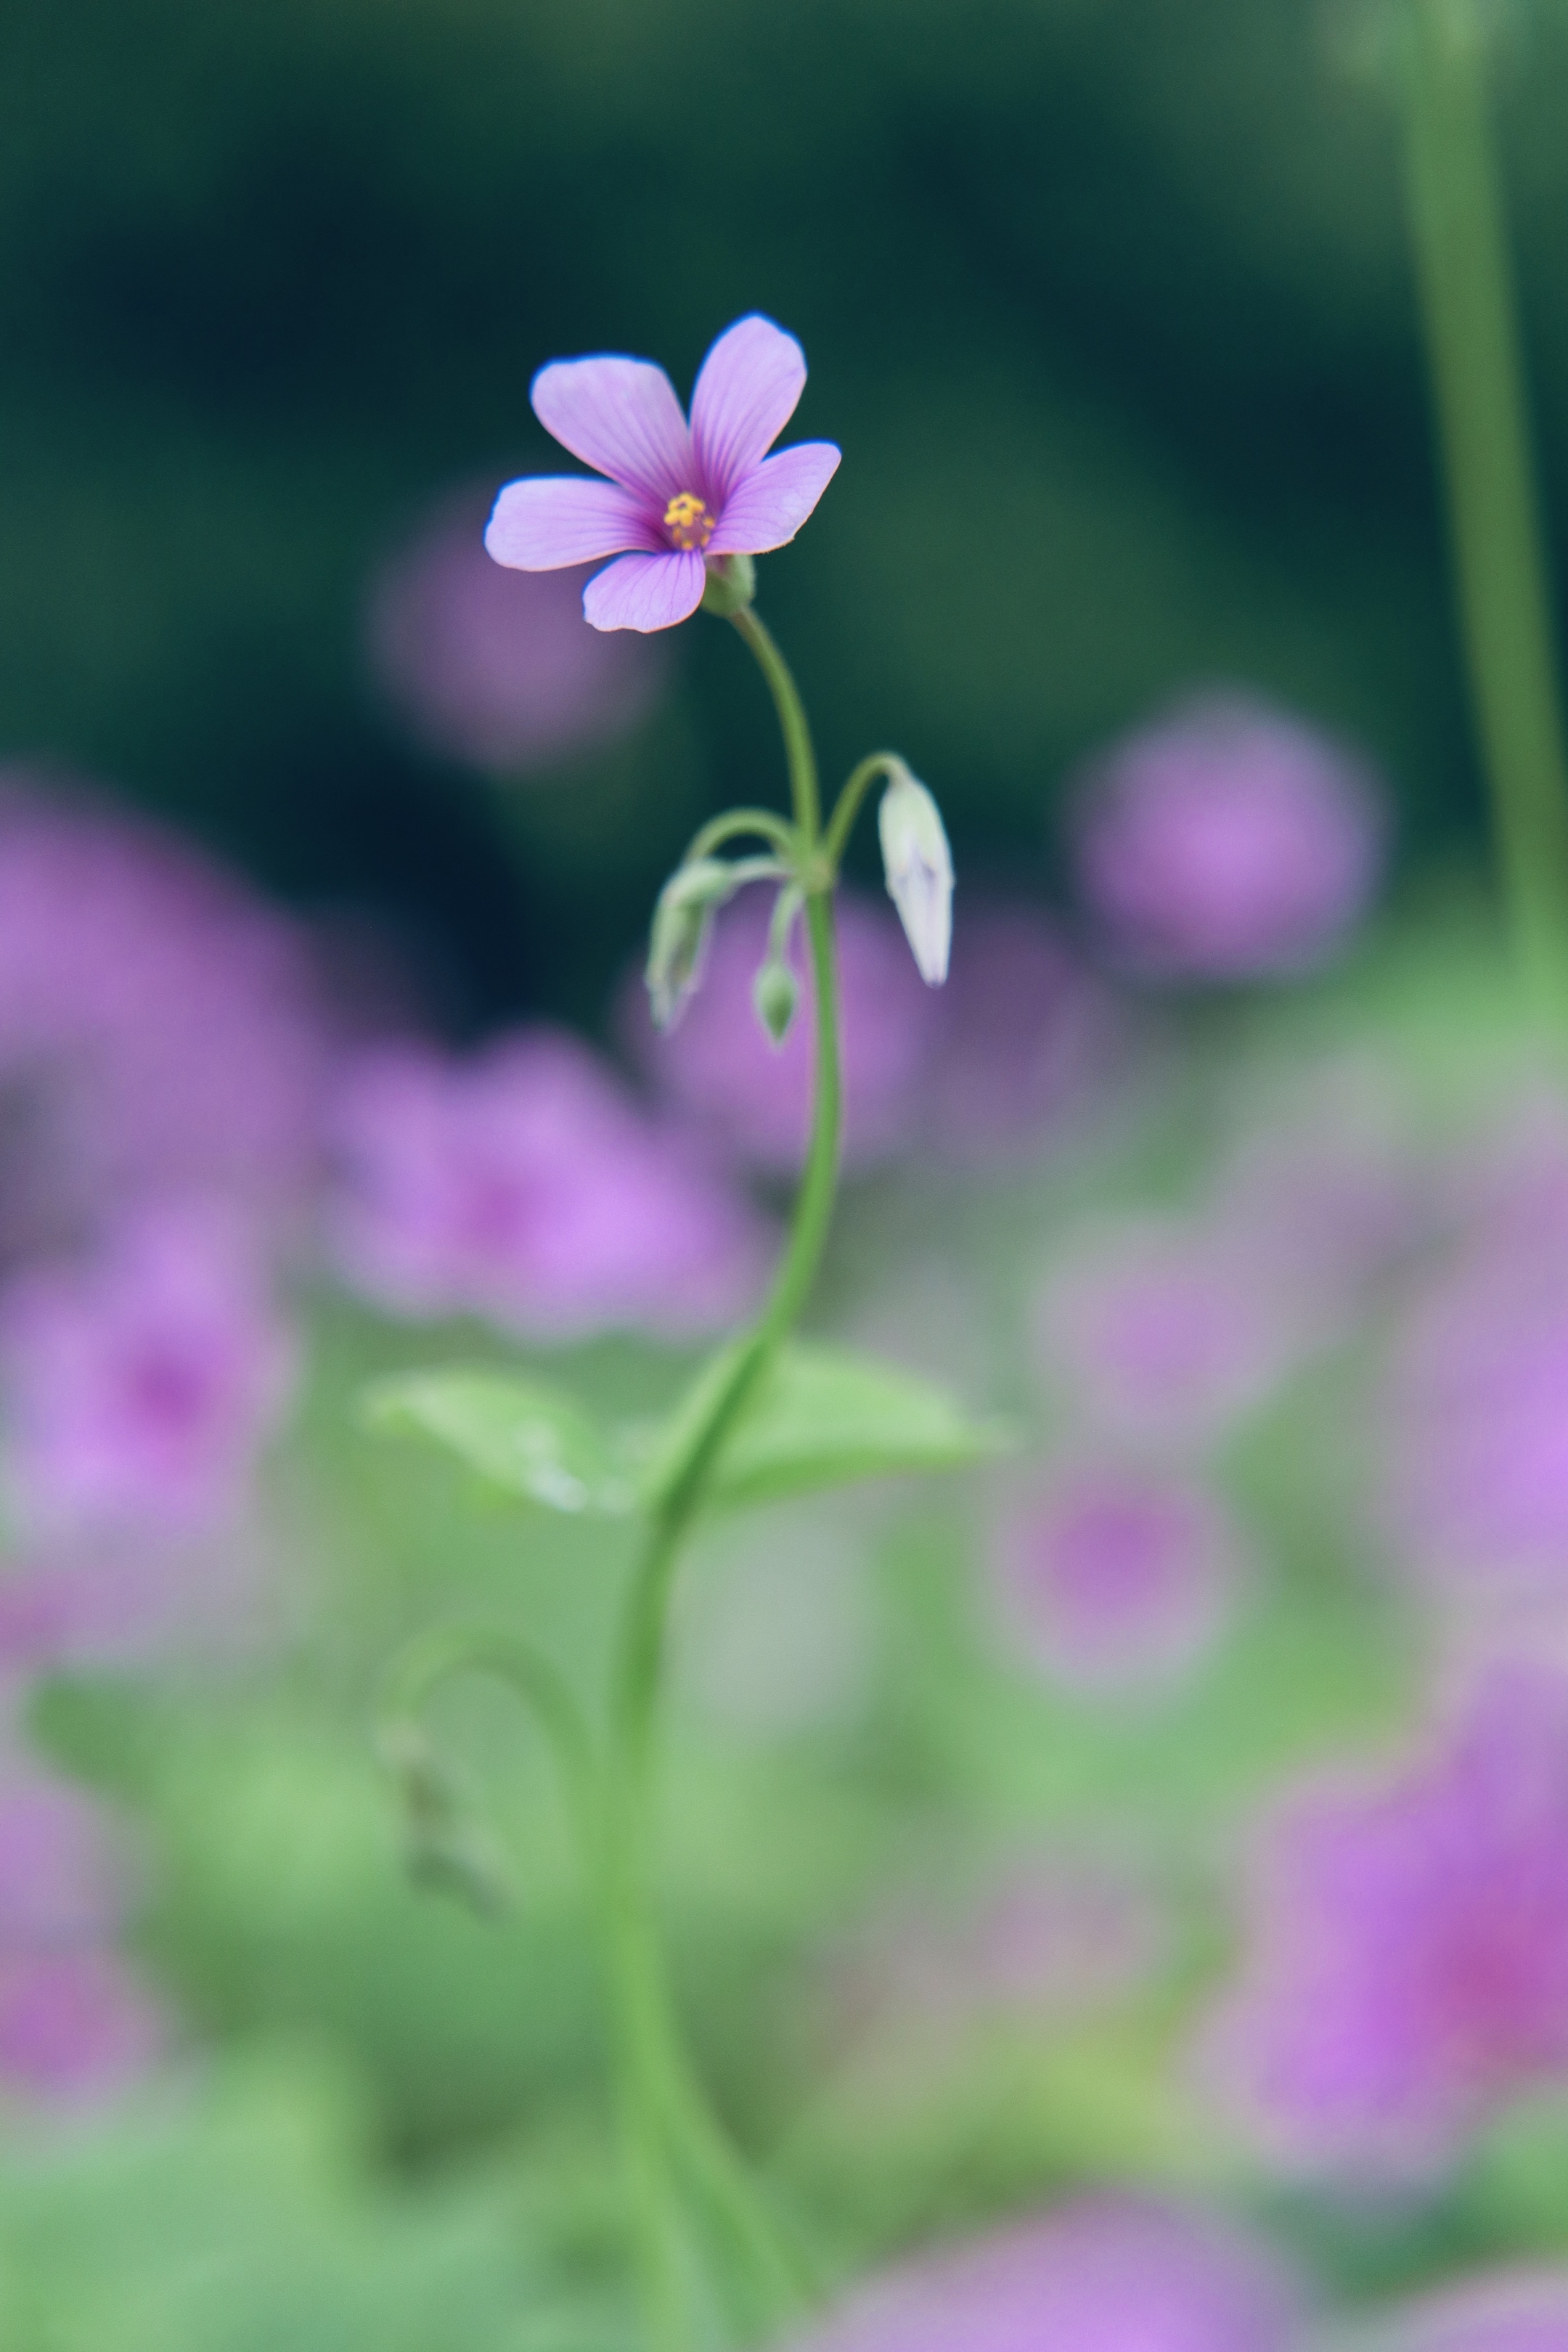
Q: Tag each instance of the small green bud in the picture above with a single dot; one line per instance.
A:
(731, 585)
(775, 993)
(678, 943)
(443, 1848)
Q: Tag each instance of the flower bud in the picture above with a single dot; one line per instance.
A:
(731, 585)
(918, 866)
(678, 945)
(775, 993)
(443, 1849)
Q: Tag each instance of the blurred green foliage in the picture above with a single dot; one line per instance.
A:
(1107, 302)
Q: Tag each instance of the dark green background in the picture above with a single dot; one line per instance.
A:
(1106, 301)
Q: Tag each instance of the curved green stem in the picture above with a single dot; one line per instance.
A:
(446, 1650)
(1472, 341)
(699, 2143)
(841, 824)
(766, 824)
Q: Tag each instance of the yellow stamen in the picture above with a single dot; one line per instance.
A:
(689, 521)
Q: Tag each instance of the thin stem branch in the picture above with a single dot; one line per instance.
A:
(841, 824)
(446, 1650)
(1467, 299)
(766, 824)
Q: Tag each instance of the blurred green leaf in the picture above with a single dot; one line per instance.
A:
(822, 1416)
(527, 1439)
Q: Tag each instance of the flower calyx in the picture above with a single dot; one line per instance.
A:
(731, 585)
(683, 923)
(918, 865)
(444, 1849)
(775, 991)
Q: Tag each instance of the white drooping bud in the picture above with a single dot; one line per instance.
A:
(677, 944)
(918, 866)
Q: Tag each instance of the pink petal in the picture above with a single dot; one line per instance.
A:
(646, 591)
(553, 520)
(745, 395)
(768, 505)
(621, 416)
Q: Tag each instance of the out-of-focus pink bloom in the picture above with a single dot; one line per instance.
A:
(1022, 1035)
(678, 496)
(75, 2028)
(525, 1185)
(158, 1027)
(1326, 1194)
(1111, 1576)
(1476, 1414)
(127, 1595)
(140, 1384)
(1514, 2310)
(1161, 1331)
(1407, 1963)
(753, 1098)
(1229, 842)
(498, 668)
(1099, 2275)
(61, 1882)
(1046, 1939)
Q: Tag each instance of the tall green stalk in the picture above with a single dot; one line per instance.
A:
(651, 2047)
(1473, 347)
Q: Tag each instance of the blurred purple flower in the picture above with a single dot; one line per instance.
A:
(1046, 1939)
(497, 666)
(753, 1098)
(677, 496)
(1515, 2310)
(75, 2028)
(525, 1185)
(61, 1881)
(1099, 2275)
(1161, 1331)
(1023, 1033)
(159, 1029)
(1407, 1964)
(139, 1383)
(1229, 842)
(1111, 1577)
(1476, 1487)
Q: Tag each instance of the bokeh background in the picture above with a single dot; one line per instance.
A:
(1152, 1843)
(1107, 301)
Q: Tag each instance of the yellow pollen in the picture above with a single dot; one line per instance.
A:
(688, 521)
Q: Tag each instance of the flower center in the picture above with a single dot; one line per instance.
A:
(689, 521)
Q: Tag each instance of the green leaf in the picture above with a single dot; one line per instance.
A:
(523, 1437)
(821, 1416)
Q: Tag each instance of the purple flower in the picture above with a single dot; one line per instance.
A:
(1514, 2310)
(139, 1383)
(1046, 1938)
(498, 668)
(1099, 2275)
(1022, 1035)
(678, 496)
(1161, 1331)
(61, 1882)
(1111, 1576)
(1227, 842)
(1475, 1486)
(1407, 1964)
(159, 1029)
(719, 1069)
(75, 2029)
(525, 1185)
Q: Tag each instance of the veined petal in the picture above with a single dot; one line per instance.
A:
(553, 520)
(646, 591)
(768, 505)
(621, 416)
(745, 395)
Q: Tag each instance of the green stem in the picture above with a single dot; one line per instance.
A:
(446, 1650)
(841, 824)
(765, 823)
(1472, 340)
(713, 2168)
